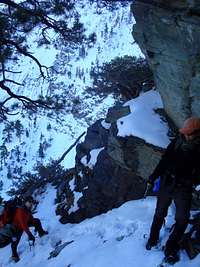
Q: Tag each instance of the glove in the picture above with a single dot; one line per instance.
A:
(150, 182)
(31, 238)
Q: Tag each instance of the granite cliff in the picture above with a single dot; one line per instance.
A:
(168, 32)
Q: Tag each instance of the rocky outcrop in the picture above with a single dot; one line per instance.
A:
(168, 33)
(110, 170)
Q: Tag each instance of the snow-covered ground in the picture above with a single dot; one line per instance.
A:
(115, 239)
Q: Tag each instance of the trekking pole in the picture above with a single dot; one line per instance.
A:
(148, 187)
(32, 246)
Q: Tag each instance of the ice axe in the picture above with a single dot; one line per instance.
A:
(148, 187)
(154, 186)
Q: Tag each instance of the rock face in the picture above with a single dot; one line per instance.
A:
(168, 33)
(110, 170)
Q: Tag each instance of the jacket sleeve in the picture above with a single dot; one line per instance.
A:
(196, 174)
(23, 219)
(163, 163)
(1, 221)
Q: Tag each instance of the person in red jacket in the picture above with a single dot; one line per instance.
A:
(22, 220)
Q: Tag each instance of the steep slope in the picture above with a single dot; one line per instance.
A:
(116, 239)
(34, 138)
(114, 159)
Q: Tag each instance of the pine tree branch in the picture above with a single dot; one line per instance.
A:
(8, 42)
(26, 101)
(45, 19)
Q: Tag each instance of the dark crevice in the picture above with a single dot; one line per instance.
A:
(162, 5)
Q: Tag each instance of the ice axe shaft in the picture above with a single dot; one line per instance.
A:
(148, 187)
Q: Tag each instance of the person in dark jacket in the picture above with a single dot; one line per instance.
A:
(22, 220)
(179, 171)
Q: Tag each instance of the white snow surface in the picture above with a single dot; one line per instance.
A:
(105, 124)
(115, 239)
(93, 158)
(77, 196)
(143, 122)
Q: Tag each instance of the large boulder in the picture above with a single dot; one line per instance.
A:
(109, 171)
(168, 32)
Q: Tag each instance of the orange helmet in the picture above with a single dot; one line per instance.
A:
(190, 126)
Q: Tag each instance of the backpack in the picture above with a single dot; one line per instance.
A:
(10, 207)
(191, 240)
(6, 234)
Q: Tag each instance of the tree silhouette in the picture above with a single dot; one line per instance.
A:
(16, 21)
(3, 154)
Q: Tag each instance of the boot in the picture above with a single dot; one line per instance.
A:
(15, 258)
(151, 243)
(42, 233)
(154, 233)
(171, 252)
(172, 258)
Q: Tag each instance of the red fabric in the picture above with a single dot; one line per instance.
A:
(1, 221)
(21, 219)
(4, 217)
(190, 125)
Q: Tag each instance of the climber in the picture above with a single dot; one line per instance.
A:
(179, 171)
(22, 219)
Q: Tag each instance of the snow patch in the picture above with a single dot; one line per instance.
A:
(197, 187)
(77, 196)
(143, 121)
(105, 124)
(93, 158)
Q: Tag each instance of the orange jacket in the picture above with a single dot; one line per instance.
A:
(21, 219)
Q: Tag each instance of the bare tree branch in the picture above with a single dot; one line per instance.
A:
(11, 71)
(17, 19)
(68, 150)
(11, 81)
(25, 100)
(4, 102)
(6, 42)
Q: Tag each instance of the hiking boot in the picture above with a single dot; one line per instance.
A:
(15, 258)
(42, 233)
(172, 258)
(171, 252)
(151, 243)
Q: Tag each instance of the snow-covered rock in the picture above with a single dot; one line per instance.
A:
(112, 163)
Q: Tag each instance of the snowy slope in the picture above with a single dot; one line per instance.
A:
(57, 131)
(115, 239)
